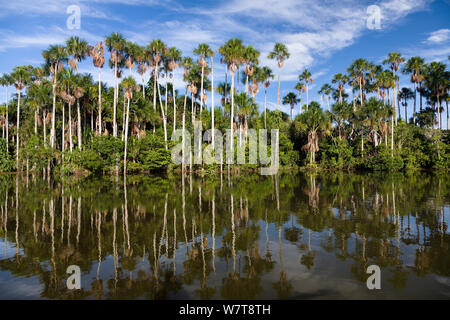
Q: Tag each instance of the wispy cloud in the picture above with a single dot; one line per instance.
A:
(439, 36)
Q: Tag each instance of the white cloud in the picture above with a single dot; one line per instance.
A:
(439, 36)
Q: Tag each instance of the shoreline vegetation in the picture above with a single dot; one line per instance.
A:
(61, 121)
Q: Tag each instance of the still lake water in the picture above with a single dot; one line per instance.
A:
(295, 236)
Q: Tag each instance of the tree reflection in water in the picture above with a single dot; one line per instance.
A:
(151, 239)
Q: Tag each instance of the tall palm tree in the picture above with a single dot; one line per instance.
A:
(414, 66)
(264, 75)
(340, 80)
(233, 51)
(68, 83)
(251, 56)
(78, 49)
(405, 94)
(358, 71)
(307, 77)
(6, 80)
(158, 50)
(279, 53)
(187, 64)
(98, 59)
(129, 85)
(21, 76)
(54, 57)
(394, 60)
(290, 99)
(437, 81)
(203, 51)
(116, 45)
(300, 87)
(326, 91)
(174, 58)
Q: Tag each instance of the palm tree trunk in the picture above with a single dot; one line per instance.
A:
(166, 94)
(182, 141)
(115, 101)
(307, 99)
(278, 93)
(415, 98)
(70, 128)
(18, 129)
(265, 108)
(62, 132)
(99, 102)
(44, 116)
(36, 114)
(53, 132)
(201, 91)
(79, 124)
(226, 82)
(7, 121)
(126, 138)
(164, 117)
(174, 105)
(232, 111)
(212, 103)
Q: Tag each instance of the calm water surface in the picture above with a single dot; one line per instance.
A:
(296, 236)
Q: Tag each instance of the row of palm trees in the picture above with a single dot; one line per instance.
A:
(59, 78)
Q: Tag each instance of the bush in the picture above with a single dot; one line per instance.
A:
(383, 160)
(6, 164)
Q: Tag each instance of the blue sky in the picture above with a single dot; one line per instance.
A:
(324, 36)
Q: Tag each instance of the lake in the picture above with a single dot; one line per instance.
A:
(290, 236)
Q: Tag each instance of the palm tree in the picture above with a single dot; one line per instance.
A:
(300, 87)
(157, 49)
(5, 81)
(174, 57)
(290, 99)
(306, 76)
(67, 82)
(21, 76)
(78, 49)
(187, 64)
(312, 122)
(129, 85)
(326, 91)
(340, 80)
(415, 66)
(405, 94)
(251, 56)
(264, 75)
(203, 51)
(358, 71)
(279, 53)
(116, 45)
(394, 60)
(54, 56)
(437, 81)
(233, 52)
(98, 59)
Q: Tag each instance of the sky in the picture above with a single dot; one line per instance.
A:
(324, 36)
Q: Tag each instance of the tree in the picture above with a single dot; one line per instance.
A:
(306, 77)
(290, 99)
(394, 60)
(326, 91)
(280, 53)
(78, 49)
(251, 56)
(5, 81)
(437, 82)
(405, 94)
(174, 57)
(21, 76)
(129, 85)
(415, 67)
(203, 51)
(98, 59)
(233, 52)
(116, 45)
(54, 57)
(313, 122)
(264, 75)
(340, 80)
(358, 71)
